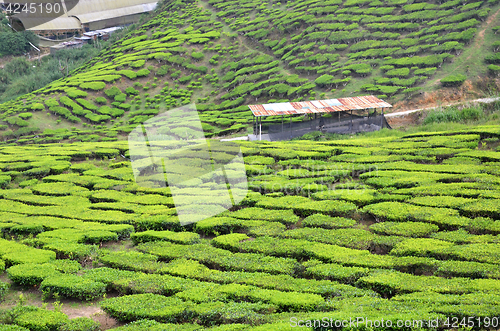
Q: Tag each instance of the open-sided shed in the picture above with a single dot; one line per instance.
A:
(341, 106)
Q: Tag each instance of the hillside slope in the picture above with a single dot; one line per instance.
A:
(224, 55)
(400, 228)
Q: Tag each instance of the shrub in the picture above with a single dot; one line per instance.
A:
(7, 327)
(128, 73)
(131, 91)
(401, 72)
(354, 238)
(80, 324)
(101, 100)
(494, 69)
(253, 213)
(72, 286)
(3, 291)
(143, 72)
(25, 116)
(87, 104)
(138, 64)
(37, 106)
(176, 237)
(73, 94)
(337, 272)
(333, 208)
(324, 80)
(327, 222)
(407, 229)
(41, 320)
(95, 86)
(493, 58)
(112, 92)
(59, 189)
(453, 80)
(29, 274)
(30, 255)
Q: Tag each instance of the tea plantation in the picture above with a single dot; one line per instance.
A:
(224, 55)
(398, 228)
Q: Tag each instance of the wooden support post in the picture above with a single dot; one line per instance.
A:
(260, 129)
(282, 124)
(351, 120)
(290, 126)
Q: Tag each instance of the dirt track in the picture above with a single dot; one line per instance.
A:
(407, 117)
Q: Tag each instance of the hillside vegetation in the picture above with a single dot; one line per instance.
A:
(394, 228)
(224, 55)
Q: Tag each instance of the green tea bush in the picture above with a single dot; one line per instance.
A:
(37, 106)
(72, 286)
(112, 92)
(407, 229)
(223, 258)
(29, 274)
(253, 213)
(327, 222)
(138, 64)
(30, 255)
(75, 93)
(59, 189)
(80, 324)
(4, 287)
(175, 237)
(7, 327)
(453, 80)
(95, 86)
(337, 272)
(41, 320)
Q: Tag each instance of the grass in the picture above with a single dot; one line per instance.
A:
(471, 61)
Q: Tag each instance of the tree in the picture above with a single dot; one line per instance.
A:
(17, 67)
(13, 44)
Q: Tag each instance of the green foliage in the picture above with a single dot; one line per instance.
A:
(112, 92)
(137, 64)
(453, 114)
(453, 80)
(31, 274)
(72, 286)
(73, 94)
(327, 222)
(4, 287)
(407, 229)
(16, 43)
(41, 320)
(80, 324)
(95, 86)
(176, 237)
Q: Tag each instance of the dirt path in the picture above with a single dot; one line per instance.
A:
(480, 36)
(407, 112)
(34, 58)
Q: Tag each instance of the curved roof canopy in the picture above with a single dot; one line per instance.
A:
(77, 12)
(41, 24)
(113, 13)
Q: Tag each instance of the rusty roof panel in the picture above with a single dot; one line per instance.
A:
(319, 106)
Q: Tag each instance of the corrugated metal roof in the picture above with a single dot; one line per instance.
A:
(59, 23)
(96, 6)
(117, 12)
(319, 106)
(85, 11)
